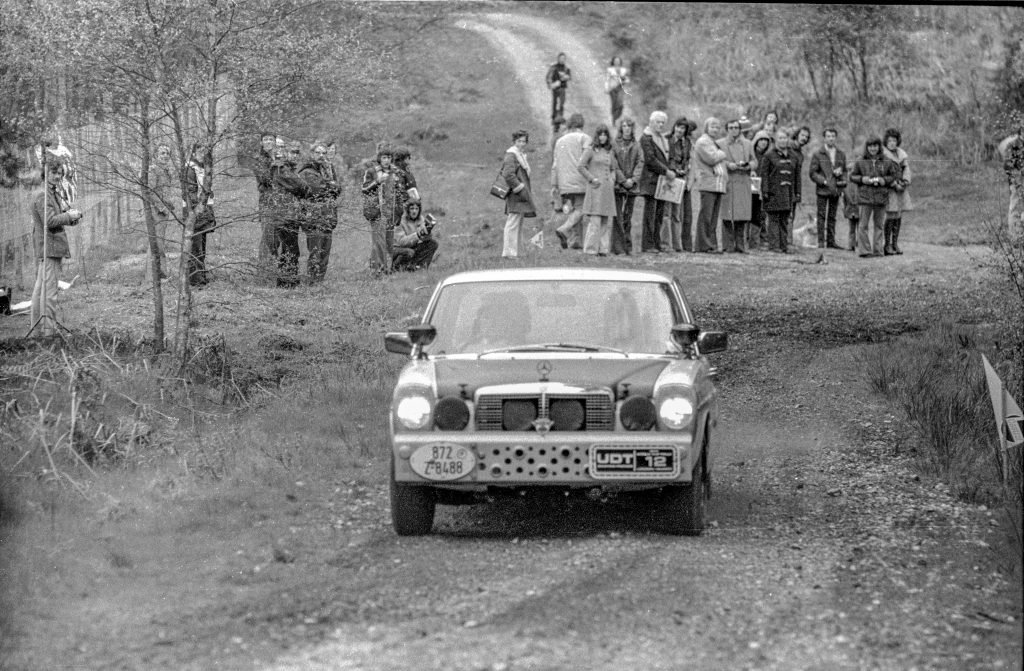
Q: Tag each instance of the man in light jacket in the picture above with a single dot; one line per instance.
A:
(710, 178)
(568, 184)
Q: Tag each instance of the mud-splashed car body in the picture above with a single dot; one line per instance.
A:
(566, 379)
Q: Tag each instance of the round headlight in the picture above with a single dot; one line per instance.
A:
(451, 414)
(413, 412)
(675, 412)
(637, 414)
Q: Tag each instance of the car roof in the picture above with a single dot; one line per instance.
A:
(553, 274)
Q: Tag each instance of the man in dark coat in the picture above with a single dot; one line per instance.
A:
(557, 79)
(828, 172)
(654, 147)
(873, 174)
(51, 212)
(321, 211)
(199, 192)
(777, 171)
(287, 193)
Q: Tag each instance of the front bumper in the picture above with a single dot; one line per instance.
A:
(515, 458)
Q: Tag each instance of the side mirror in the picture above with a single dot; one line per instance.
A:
(422, 334)
(685, 335)
(398, 343)
(713, 341)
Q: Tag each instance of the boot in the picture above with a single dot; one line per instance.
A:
(888, 238)
(896, 235)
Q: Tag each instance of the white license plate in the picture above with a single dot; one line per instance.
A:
(442, 461)
(641, 463)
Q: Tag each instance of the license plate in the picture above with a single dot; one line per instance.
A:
(642, 463)
(442, 461)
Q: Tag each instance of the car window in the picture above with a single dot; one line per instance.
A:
(480, 316)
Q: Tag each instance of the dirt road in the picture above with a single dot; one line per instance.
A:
(826, 551)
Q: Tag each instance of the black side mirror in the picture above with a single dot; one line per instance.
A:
(398, 343)
(713, 341)
(422, 334)
(685, 335)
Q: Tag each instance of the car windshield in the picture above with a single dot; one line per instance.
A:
(584, 316)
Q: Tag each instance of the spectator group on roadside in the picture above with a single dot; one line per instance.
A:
(747, 177)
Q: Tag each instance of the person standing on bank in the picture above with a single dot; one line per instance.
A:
(711, 179)
(567, 183)
(798, 139)
(616, 78)
(165, 193)
(287, 192)
(828, 172)
(266, 251)
(631, 166)
(676, 232)
(736, 203)
(777, 172)
(758, 238)
(654, 148)
(58, 214)
(899, 197)
(321, 211)
(519, 203)
(557, 79)
(599, 167)
(199, 190)
(380, 182)
(874, 174)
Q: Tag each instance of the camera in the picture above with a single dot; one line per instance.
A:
(429, 221)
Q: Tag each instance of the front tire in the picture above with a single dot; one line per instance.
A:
(412, 508)
(684, 507)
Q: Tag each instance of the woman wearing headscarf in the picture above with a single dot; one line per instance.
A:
(711, 178)
(616, 78)
(601, 171)
(380, 198)
(631, 166)
(515, 168)
(899, 197)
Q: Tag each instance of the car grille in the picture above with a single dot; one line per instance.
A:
(578, 412)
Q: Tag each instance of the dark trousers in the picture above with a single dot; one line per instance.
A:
(852, 239)
(288, 255)
(414, 258)
(734, 236)
(622, 227)
(756, 232)
(318, 246)
(618, 98)
(707, 221)
(827, 206)
(778, 230)
(197, 272)
(558, 102)
(654, 212)
(679, 229)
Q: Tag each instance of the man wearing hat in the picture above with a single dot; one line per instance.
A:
(51, 212)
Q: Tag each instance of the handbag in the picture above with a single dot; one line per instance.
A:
(499, 189)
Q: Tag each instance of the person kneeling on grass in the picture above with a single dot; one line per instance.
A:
(414, 246)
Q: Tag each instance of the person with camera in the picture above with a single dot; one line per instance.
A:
(899, 198)
(828, 172)
(287, 191)
(381, 182)
(320, 210)
(736, 202)
(414, 243)
(51, 212)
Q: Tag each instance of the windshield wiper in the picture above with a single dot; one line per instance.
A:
(543, 347)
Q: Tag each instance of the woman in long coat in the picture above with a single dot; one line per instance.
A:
(736, 207)
(601, 170)
(899, 198)
(519, 203)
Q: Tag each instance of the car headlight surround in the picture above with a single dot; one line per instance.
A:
(675, 411)
(414, 409)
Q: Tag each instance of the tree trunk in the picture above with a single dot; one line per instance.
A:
(183, 307)
(155, 255)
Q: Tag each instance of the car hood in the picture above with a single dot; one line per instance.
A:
(453, 376)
